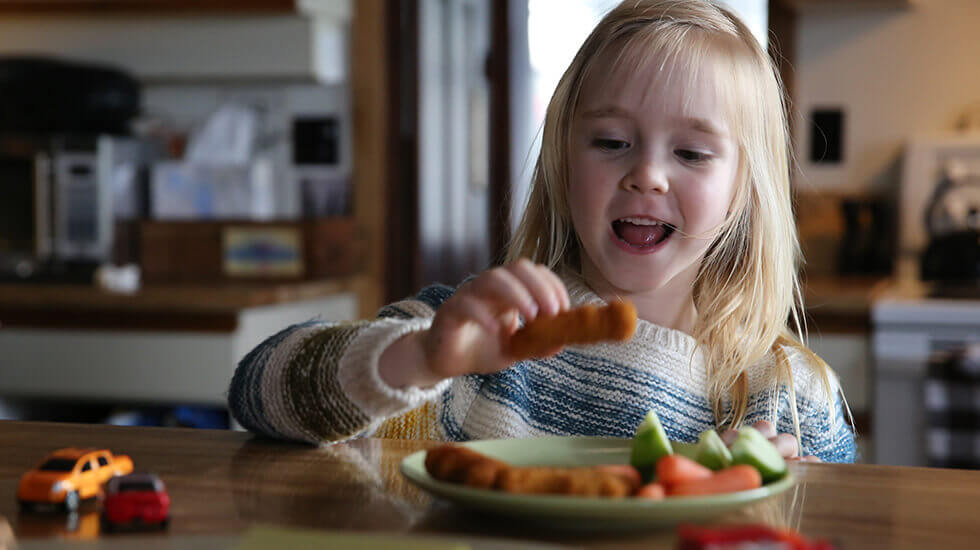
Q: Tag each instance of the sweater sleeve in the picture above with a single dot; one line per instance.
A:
(319, 382)
(825, 429)
(826, 433)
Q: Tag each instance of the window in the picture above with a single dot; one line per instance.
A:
(552, 45)
(58, 465)
(103, 461)
(128, 486)
(87, 466)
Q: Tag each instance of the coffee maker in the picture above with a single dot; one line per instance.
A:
(68, 167)
(952, 217)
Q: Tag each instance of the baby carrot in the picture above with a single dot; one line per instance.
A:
(651, 491)
(676, 469)
(729, 480)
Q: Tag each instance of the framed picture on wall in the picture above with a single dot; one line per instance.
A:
(262, 251)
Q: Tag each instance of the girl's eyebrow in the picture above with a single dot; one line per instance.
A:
(607, 111)
(697, 124)
(701, 125)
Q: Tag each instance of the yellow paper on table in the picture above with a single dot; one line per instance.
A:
(277, 538)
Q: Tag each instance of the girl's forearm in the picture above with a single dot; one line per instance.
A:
(403, 363)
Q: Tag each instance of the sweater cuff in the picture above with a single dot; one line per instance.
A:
(361, 381)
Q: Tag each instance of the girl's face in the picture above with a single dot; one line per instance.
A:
(649, 155)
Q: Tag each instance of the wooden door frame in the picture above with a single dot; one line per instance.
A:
(403, 263)
(498, 68)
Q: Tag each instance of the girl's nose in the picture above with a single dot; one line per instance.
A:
(646, 177)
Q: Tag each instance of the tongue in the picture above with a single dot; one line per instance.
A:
(639, 235)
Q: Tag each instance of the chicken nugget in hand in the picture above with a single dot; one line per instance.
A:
(584, 325)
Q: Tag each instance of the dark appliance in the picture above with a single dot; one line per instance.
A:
(68, 169)
(51, 96)
(868, 244)
(952, 258)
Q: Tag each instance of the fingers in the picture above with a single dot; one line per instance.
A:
(490, 305)
(539, 284)
(511, 322)
(729, 436)
(765, 428)
(468, 307)
(558, 286)
(504, 291)
(786, 445)
(531, 289)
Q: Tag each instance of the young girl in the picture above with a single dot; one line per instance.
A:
(663, 179)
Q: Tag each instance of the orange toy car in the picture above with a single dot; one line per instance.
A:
(67, 476)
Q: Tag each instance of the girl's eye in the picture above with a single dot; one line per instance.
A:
(610, 144)
(693, 156)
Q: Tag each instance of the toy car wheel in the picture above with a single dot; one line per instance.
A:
(106, 526)
(71, 501)
(26, 506)
(164, 524)
(71, 524)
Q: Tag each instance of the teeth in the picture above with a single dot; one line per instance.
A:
(641, 221)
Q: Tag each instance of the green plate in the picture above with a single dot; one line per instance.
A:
(580, 512)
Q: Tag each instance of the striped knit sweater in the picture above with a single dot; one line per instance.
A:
(319, 382)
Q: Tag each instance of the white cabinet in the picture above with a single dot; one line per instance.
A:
(849, 355)
(308, 45)
(906, 333)
(147, 366)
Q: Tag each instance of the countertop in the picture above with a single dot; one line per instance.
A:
(168, 298)
(843, 295)
(837, 294)
(223, 482)
(833, 304)
(842, 304)
(182, 308)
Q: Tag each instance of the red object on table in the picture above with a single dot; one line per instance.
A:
(135, 500)
(691, 537)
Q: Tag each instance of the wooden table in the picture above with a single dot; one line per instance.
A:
(222, 482)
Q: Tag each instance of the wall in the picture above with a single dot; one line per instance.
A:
(895, 71)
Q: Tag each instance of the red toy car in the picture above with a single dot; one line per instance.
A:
(135, 500)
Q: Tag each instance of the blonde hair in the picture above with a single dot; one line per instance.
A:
(747, 287)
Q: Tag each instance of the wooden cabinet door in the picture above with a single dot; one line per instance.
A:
(146, 6)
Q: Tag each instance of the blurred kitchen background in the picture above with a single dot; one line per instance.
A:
(179, 179)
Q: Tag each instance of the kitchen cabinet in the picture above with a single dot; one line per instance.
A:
(181, 41)
(180, 343)
(910, 328)
(146, 6)
(838, 313)
(162, 345)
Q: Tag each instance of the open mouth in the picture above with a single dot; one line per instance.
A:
(642, 232)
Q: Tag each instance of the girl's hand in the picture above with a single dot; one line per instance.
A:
(784, 443)
(470, 331)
